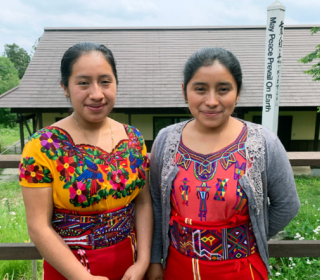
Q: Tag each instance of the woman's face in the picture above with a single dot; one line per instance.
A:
(92, 87)
(211, 95)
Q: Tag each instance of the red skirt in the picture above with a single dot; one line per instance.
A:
(111, 262)
(183, 267)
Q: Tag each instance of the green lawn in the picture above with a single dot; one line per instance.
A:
(9, 136)
(304, 226)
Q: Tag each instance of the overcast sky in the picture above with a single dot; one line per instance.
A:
(23, 21)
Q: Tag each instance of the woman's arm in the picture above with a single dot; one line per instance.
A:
(282, 192)
(39, 207)
(144, 226)
(155, 270)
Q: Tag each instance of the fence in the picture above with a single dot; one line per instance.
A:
(282, 248)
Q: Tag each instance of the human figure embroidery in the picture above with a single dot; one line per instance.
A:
(203, 195)
(242, 199)
(185, 190)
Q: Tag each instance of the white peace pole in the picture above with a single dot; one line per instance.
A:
(273, 59)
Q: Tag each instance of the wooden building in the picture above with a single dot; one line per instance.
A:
(150, 63)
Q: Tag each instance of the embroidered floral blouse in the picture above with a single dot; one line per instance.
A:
(207, 187)
(82, 177)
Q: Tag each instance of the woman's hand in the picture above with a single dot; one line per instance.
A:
(155, 272)
(99, 278)
(134, 272)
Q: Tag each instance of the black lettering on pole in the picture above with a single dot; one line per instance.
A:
(272, 23)
(268, 101)
(269, 86)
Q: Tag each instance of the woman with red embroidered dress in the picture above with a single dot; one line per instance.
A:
(211, 178)
(84, 180)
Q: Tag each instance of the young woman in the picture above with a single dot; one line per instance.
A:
(211, 178)
(85, 182)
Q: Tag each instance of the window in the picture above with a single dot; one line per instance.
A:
(161, 122)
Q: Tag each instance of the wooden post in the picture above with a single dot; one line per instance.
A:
(20, 118)
(40, 120)
(34, 269)
(316, 133)
(27, 126)
(34, 266)
(34, 125)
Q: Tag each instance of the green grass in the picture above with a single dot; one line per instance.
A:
(10, 136)
(303, 226)
(14, 230)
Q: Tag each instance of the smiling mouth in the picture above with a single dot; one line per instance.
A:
(95, 107)
(211, 113)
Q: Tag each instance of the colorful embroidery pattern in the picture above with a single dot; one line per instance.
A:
(34, 173)
(95, 231)
(205, 166)
(185, 189)
(83, 259)
(242, 199)
(88, 173)
(221, 189)
(221, 244)
(203, 195)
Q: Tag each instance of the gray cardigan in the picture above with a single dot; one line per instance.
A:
(269, 176)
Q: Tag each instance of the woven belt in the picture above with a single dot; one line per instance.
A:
(94, 231)
(212, 244)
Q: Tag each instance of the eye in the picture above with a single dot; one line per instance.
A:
(224, 89)
(199, 89)
(83, 83)
(105, 82)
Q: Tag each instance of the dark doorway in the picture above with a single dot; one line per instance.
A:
(284, 129)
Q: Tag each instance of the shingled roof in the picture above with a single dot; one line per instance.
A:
(150, 63)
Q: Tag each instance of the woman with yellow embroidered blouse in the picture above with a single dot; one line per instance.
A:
(84, 180)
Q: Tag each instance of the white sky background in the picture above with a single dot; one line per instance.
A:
(23, 21)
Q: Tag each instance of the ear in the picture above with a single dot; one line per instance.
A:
(184, 96)
(238, 97)
(65, 89)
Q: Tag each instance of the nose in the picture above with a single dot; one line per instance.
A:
(96, 92)
(212, 99)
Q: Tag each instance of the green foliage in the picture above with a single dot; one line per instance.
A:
(9, 76)
(315, 69)
(18, 56)
(6, 118)
(305, 226)
(13, 229)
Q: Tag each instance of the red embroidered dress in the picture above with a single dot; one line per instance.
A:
(210, 219)
(93, 211)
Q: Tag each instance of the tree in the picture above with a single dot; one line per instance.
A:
(9, 75)
(18, 56)
(315, 69)
(9, 78)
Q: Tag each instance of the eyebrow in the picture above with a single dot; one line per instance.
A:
(225, 84)
(88, 77)
(199, 84)
(204, 84)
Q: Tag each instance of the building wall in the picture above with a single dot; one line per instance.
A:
(50, 118)
(303, 123)
(302, 135)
